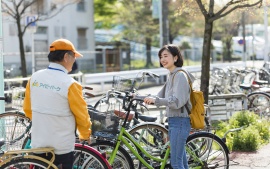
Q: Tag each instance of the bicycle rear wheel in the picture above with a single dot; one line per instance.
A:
(25, 163)
(122, 160)
(207, 150)
(14, 127)
(85, 157)
(259, 103)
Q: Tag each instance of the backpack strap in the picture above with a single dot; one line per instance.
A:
(190, 85)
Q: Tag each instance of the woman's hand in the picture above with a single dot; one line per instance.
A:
(149, 100)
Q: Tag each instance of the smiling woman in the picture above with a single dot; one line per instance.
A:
(175, 95)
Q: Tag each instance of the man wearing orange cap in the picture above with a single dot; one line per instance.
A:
(54, 102)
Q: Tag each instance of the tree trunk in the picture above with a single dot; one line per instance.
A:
(148, 53)
(228, 45)
(22, 53)
(205, 73)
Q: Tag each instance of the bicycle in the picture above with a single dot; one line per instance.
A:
(115, 99)
(15, 127)
(214, 154)
(84, 157)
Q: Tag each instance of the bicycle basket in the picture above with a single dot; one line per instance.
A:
(17, 97)
(104, 125)
(123, 84)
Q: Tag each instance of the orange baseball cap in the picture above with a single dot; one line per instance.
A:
(64, 44)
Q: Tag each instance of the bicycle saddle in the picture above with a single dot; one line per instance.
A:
(122, 114)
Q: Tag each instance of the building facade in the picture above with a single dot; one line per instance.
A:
(74, 22)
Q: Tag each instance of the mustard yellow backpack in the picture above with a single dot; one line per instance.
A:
(197, 112)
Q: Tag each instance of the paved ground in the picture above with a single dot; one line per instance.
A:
(251, 160)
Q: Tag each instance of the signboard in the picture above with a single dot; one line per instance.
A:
(241, 42)
(156, 8)
(31, 19)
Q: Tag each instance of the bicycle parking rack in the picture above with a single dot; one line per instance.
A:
(224, 106)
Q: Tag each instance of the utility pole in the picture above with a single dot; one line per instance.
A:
(244, 38)
(2, 103)
(160, 23)
(266, 46)
(165, 21)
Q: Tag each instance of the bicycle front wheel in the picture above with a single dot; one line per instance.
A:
(207, 150)
(21, 162)
(152, 137)
(14, 127)
(259, 103)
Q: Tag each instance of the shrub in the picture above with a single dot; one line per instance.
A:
(247, 139)
(263, 129)
(256, 133)
(243, 118)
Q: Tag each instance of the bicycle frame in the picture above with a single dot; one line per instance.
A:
(121, 138)
(128, 140)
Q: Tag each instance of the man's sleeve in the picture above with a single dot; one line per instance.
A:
(78, 107)
(27, 101)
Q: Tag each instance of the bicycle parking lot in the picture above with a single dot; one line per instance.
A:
(235, 158)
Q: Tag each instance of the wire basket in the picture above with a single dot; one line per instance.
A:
(17, 97)
(104, 125)
(123, 84)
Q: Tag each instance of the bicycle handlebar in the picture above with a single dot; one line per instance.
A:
(2, 98)
(231, 130)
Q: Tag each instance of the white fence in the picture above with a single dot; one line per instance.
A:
(101, 78)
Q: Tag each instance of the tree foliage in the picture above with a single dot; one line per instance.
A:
(139, 25)
(213, 10)
(104, 13)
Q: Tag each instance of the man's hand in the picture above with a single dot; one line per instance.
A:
(88, 140)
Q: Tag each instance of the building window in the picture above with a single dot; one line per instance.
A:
(64, 32)
(42, 30)
(81, 6)
(13, 31)
(38, 7)
(57, 31)
(82, 40)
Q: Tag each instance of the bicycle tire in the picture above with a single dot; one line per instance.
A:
(161, 132)
(152, 137)
(259, 103)
(122, 160)
(209, 148)
(14, 128)
(87, 158)
(21, 162)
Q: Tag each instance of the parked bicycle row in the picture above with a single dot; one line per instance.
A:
(252, 82)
